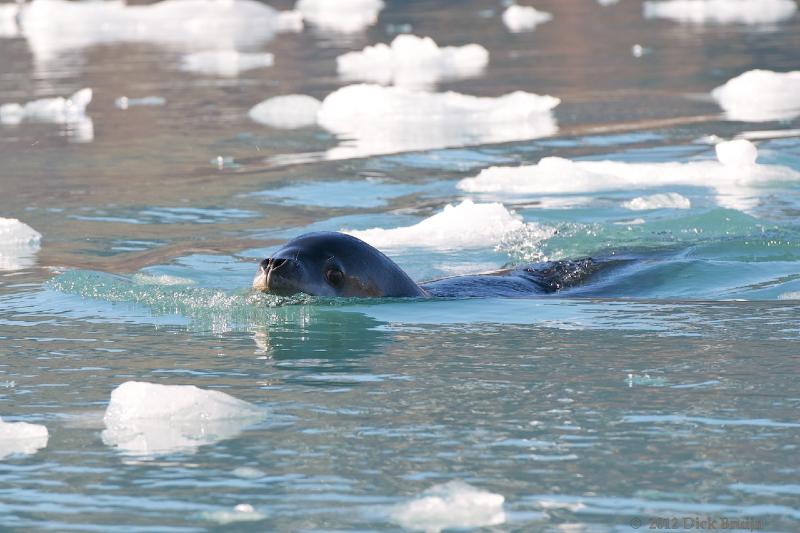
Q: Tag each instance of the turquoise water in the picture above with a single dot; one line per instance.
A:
(666, 389)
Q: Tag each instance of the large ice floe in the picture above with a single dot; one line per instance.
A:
(372, 119)
(8, 20)
(760, 95)
(453, 505)
(21, 438)
(466, 225)
(524, 18)
(148, 419)
(226, 63)
(18, 244)
(59, 110)
(732, 175)
(412, 61)
(721, 11)
(345, 16)
(53, 27)
(288, 111)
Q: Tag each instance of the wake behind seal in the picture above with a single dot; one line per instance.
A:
(337, 264)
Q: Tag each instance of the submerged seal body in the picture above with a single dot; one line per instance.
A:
(337, 264)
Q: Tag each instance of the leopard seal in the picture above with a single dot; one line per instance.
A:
(338, 264)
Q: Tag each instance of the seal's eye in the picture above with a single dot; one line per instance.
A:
(334, 276)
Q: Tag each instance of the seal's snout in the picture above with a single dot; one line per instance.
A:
(276, 275)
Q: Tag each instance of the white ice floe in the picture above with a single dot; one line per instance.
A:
(150, 419)
(760, 95)
(227, 63)
(732, 175)
(412, 61)
(244, 512)
(8, 20)
(670, 200)
(70, 112)
(57, 110)
(345, 16)
(56, 26)
(455, 505)
(466, 225)
(123, 102)
(21, 438)
(721, 11)
(18, 244)
(288, 112)
(375, 119)
(524, 18)
(607, 2)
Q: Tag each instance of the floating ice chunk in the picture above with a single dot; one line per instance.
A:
(737, 153)
(150, 419)
(244, 512)
(607, 2)
(57, 110)
(377, 120)
(18, 244)
(454, 505)
(414, 61)
(466, 225)
(21, 438)
(731, 175)
(229, 63)
(721, 11)
(760, 95)
(123, 102)
(56, 26)
(670, 200)
(8, 20)
(289, 111)
(345, 16)
(524, 18)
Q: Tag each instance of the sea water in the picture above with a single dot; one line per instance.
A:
(145, 387)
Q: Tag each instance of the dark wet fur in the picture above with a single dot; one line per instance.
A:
(539, 278)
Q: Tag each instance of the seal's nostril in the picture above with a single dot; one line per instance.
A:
(277, 263)
(265, 264)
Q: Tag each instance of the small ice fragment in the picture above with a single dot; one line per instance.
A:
(123, 102)
(228, 63)
(455, 505)
(524, 18)
(287, 112)
(760, 95)
(345, 16)
(243, 512)
(18, 244)
(21, 438)
(638, 50)
(148, 419)
(607, 2)
(721, 11)
(412, 60)
(466, 225)
(223, 162)
(737, 153)
(670, 200)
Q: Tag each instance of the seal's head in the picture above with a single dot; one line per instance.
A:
(333, 264)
